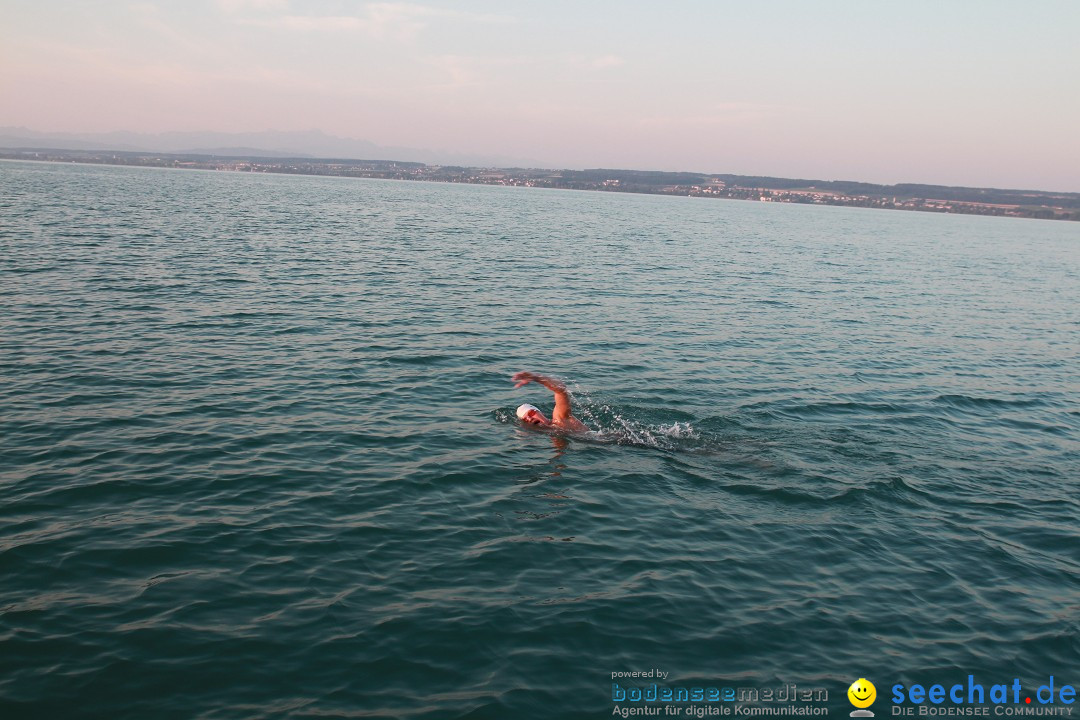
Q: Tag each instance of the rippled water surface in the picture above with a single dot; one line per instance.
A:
(260, 459)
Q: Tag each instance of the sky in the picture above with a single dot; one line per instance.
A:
(979, 93)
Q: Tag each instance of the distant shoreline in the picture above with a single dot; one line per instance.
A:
(919, 198)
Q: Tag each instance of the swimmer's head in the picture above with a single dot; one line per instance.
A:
(531, 415)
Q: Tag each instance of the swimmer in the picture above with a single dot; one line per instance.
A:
(561, 419)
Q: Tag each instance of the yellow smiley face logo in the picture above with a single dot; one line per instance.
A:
(862, 693)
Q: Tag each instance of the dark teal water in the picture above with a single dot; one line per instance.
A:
(259, 456)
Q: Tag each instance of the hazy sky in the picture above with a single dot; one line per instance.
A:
(982, 93)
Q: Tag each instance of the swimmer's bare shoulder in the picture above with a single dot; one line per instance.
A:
(571, 424)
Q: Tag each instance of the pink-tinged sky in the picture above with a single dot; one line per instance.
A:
(982, 93)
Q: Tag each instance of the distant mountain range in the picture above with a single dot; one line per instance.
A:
(298, 144)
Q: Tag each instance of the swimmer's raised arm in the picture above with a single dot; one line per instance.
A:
(561, 413)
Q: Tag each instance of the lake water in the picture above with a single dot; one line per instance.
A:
(260, 458)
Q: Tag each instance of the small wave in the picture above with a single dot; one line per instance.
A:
(421, 360)
(968, 401)
(894, 489)
(841, 408)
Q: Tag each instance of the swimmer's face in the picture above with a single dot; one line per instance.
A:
(535, 417)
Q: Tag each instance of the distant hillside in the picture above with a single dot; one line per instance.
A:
(925, 198)
(647, 178)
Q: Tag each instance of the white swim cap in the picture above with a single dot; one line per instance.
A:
(523, 410)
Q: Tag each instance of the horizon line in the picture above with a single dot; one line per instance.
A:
(281, 156)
